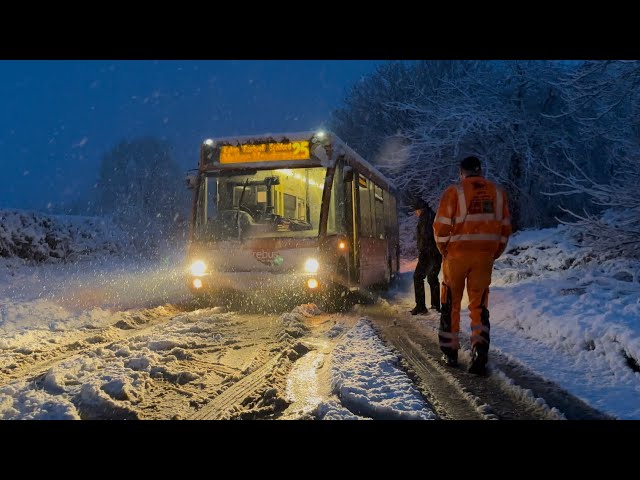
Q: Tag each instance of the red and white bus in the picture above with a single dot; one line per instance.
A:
(299, 212)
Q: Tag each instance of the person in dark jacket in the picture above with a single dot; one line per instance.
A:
(429, 259)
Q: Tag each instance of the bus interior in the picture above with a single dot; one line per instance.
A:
(261, 203)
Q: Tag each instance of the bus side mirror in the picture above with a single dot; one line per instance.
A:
(347, 174)
(191, 181)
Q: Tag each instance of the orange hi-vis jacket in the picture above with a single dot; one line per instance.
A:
(473, 217)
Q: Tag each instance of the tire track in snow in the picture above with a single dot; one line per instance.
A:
(82, 344)
(522, 396)
(221, 406)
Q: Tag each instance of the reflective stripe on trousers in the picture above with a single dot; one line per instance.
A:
(474, 273)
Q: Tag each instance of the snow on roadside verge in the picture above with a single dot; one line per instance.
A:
(367, 378)
(42, 238)
(572, 316)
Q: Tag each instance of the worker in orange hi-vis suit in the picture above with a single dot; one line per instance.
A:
(471, 228)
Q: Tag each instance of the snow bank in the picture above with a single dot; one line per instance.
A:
(19, 401)
(37, 237)
(332, 410)
(368, 380)
(572, 316)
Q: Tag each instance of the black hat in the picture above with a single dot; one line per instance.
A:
(471, 165)
(419, 204)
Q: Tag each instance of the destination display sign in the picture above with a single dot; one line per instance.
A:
(264, 152)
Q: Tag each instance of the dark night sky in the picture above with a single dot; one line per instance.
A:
(59, 117)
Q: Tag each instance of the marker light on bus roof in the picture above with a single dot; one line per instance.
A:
(209, 143)
(321, 134)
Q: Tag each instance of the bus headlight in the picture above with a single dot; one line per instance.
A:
(198, 268)
(311, 265)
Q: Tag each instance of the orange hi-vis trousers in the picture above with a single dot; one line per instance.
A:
(474, 269)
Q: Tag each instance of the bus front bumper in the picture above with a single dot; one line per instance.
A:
(256, 282)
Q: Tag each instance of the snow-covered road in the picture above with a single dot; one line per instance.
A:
(120, 338)
(208, 364)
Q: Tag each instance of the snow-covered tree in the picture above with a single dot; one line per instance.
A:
(382, 113)
(603, 99)
(140, 186)
(417, 120)
(616, 230)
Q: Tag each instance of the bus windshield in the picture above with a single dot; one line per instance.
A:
(260, 203)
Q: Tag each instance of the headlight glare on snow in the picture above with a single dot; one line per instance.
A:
(198, 268)
(311, 265)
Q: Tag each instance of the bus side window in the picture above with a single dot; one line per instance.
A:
(336, 220)
(366, 217)
(378, 203)
(390, 213)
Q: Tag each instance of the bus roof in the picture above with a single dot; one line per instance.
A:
(317, 157)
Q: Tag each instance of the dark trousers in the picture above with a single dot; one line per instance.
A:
(428, 267)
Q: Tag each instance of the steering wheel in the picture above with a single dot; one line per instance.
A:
(229, 216)
(244, 208)
(276, 220)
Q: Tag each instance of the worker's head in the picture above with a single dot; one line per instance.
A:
(419, 206)
(470, 167)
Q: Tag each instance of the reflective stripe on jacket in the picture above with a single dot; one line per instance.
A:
(473, 216)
